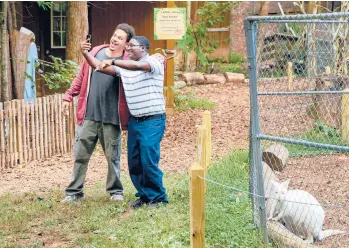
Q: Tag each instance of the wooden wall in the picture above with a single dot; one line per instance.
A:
(105, 16)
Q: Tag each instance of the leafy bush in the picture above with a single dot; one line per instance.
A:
(237, 68)
(188, 100)
(216, 60)
(60, 72)
(235, 58)
(320, 133)
(197, 38)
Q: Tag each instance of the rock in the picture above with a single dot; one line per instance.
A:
(179, 84)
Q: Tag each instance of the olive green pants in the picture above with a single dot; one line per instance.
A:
(86, 139)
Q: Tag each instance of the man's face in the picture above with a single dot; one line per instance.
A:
(119, 39)
(134, 49)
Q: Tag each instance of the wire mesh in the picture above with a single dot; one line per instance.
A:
(298, 70)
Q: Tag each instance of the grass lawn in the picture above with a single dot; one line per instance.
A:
(32, 220)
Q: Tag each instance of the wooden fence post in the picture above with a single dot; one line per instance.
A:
(197, 207)
(7, 133)
(345, 116)
(20, 130)
(2, 137)
(206, 121)
(202, 149)
(290, 76)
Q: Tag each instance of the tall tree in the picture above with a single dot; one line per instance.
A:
(3, 51)
(12, 26)
(77, 28)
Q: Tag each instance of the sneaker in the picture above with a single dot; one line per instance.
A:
(156, 204)
(137, 203)
(116, 198)
(71, 198)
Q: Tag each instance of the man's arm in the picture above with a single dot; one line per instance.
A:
(94, 63)
(133, 65)
(105, 67)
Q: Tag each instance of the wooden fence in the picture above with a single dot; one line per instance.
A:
(198, 184)
(34, 130)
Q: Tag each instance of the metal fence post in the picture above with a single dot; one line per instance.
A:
(256, 153)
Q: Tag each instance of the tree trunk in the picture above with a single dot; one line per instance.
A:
(3, 52)
(14, 15)
(77, 29)
(11, 27)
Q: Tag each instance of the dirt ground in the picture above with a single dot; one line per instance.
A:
(325, 176)
(230, 121)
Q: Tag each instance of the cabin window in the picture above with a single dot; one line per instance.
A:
(58, 25)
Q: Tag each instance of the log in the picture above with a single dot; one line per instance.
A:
(276, 157)
(214, 79)
(278, 233)
(268, 176)
(234, 77)
(192, 78)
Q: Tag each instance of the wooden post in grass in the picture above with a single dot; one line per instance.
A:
(197, 207)
(345, 116)
(206, 122)
(290, 76)
(202, 149)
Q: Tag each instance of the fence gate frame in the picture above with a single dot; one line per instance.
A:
(255, 151)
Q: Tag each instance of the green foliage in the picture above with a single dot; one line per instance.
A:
(45, 5)
(216, 60)
(298, 29)
(236, 58)
(320, 133)
(323, 129)
(29, 220)
(60, 72)
(237, 68)
(188, 100)
(197, 38)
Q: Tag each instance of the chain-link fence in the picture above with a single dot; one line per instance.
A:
(299, 85)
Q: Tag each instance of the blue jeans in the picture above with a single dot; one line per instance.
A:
(143, 150)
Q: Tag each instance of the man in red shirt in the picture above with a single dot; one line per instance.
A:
(101, 114)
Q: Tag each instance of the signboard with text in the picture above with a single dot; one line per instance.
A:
(169, 23)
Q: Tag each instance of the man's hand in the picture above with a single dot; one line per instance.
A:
(65, 108)
(85, 46)
(104, 64)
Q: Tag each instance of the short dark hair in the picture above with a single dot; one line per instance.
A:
(128, 29)
(142, 41)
